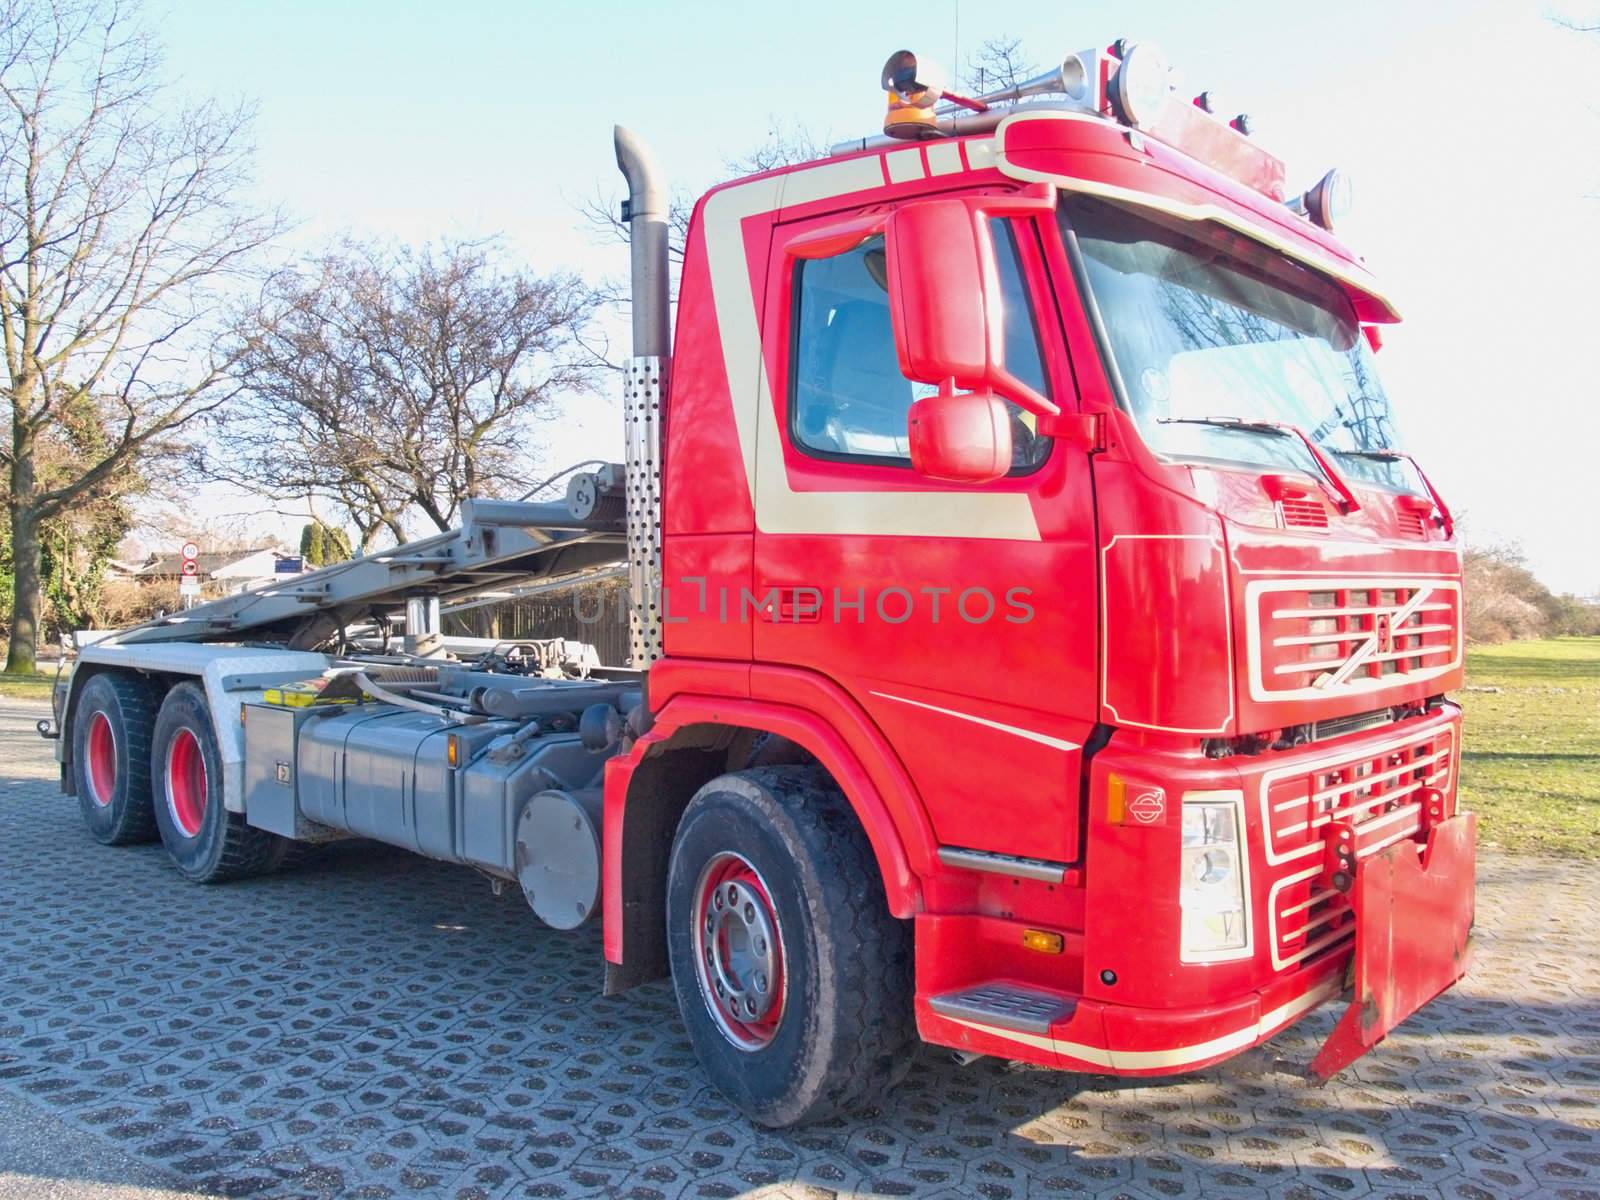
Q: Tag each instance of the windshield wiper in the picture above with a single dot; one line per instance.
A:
(1447, 522)
(1337, 486)
(1374, 455)
(1226, 423)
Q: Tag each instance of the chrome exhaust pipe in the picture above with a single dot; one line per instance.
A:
(646, 214)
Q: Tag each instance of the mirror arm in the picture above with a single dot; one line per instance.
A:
(1012, 388)
(1087, 431)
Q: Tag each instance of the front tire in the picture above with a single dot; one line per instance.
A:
(111, 758)
(794, 981)
(206, 842)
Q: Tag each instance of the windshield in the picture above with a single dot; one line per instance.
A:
(1203, 323)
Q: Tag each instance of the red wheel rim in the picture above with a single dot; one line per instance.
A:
(739, 951)
(102, 760)
(186, 783)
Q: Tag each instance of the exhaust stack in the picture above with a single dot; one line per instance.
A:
(644, 382)
(645, 211)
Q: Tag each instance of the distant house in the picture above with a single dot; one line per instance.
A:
(117, 568)
(232, 569)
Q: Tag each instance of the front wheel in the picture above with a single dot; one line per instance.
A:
(794, 981)
(206, 842)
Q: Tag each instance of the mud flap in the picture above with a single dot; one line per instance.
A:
(1413, 937)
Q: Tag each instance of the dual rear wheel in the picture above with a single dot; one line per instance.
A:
(148, 765)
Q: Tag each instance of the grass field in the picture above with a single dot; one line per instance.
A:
(27, 687)
(1531, 759)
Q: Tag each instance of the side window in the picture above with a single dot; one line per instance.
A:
(847, 398)
(1022, 357)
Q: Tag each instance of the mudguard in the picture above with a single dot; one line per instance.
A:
(1414, 919)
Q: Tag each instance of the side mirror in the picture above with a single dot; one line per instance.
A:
(945, 294)
(962, 437)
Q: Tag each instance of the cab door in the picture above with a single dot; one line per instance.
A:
(961, 618)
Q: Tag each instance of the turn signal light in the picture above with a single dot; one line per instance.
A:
(452, 750)
(1116, 799)
(1043, 941)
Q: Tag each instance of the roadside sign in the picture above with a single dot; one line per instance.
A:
(289, 565)
(191, 550)
(191, 568)
(189, 585)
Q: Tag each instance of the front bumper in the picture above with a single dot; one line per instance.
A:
(1389, 917)
(1119, 1039)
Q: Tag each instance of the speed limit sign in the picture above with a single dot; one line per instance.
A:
(191, 550)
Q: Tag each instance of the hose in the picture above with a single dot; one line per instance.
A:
(379, 692)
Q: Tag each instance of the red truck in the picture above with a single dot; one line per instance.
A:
(1041, 644)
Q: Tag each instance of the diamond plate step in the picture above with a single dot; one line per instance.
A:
(1005, 1006)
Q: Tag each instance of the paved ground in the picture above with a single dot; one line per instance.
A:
(375, 1025)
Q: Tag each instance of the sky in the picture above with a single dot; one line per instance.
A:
(1471, 130)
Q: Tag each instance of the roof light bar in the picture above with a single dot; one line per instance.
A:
(1130, 83)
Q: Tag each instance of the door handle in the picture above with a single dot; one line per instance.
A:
(796, 604)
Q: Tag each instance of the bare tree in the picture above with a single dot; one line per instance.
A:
(999, 63)
(398, 382)
(118, 223)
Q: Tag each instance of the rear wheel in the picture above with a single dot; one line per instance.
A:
(206, 842)
(793, 979)
(111, 758)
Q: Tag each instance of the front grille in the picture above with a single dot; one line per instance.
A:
(1377, 789)
(1333, 727)
(1302, 634)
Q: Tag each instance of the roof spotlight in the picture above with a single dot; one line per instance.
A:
(1243, 124)
(1206, 102)
(1140, 87)
(1328, 201)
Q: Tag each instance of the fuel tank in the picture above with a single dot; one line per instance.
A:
(386, 773)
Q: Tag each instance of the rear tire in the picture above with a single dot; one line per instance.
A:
(206, 842)
(820, 1021)
(111, 758)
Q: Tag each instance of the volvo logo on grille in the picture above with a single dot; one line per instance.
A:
(1383, 629)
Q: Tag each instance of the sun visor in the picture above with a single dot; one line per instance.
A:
(1078, 152)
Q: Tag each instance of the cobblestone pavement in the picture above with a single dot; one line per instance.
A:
(376, 1025)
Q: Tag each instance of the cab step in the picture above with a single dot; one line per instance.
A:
(1005, 1006)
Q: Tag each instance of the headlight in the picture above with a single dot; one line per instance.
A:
(1211, 890)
